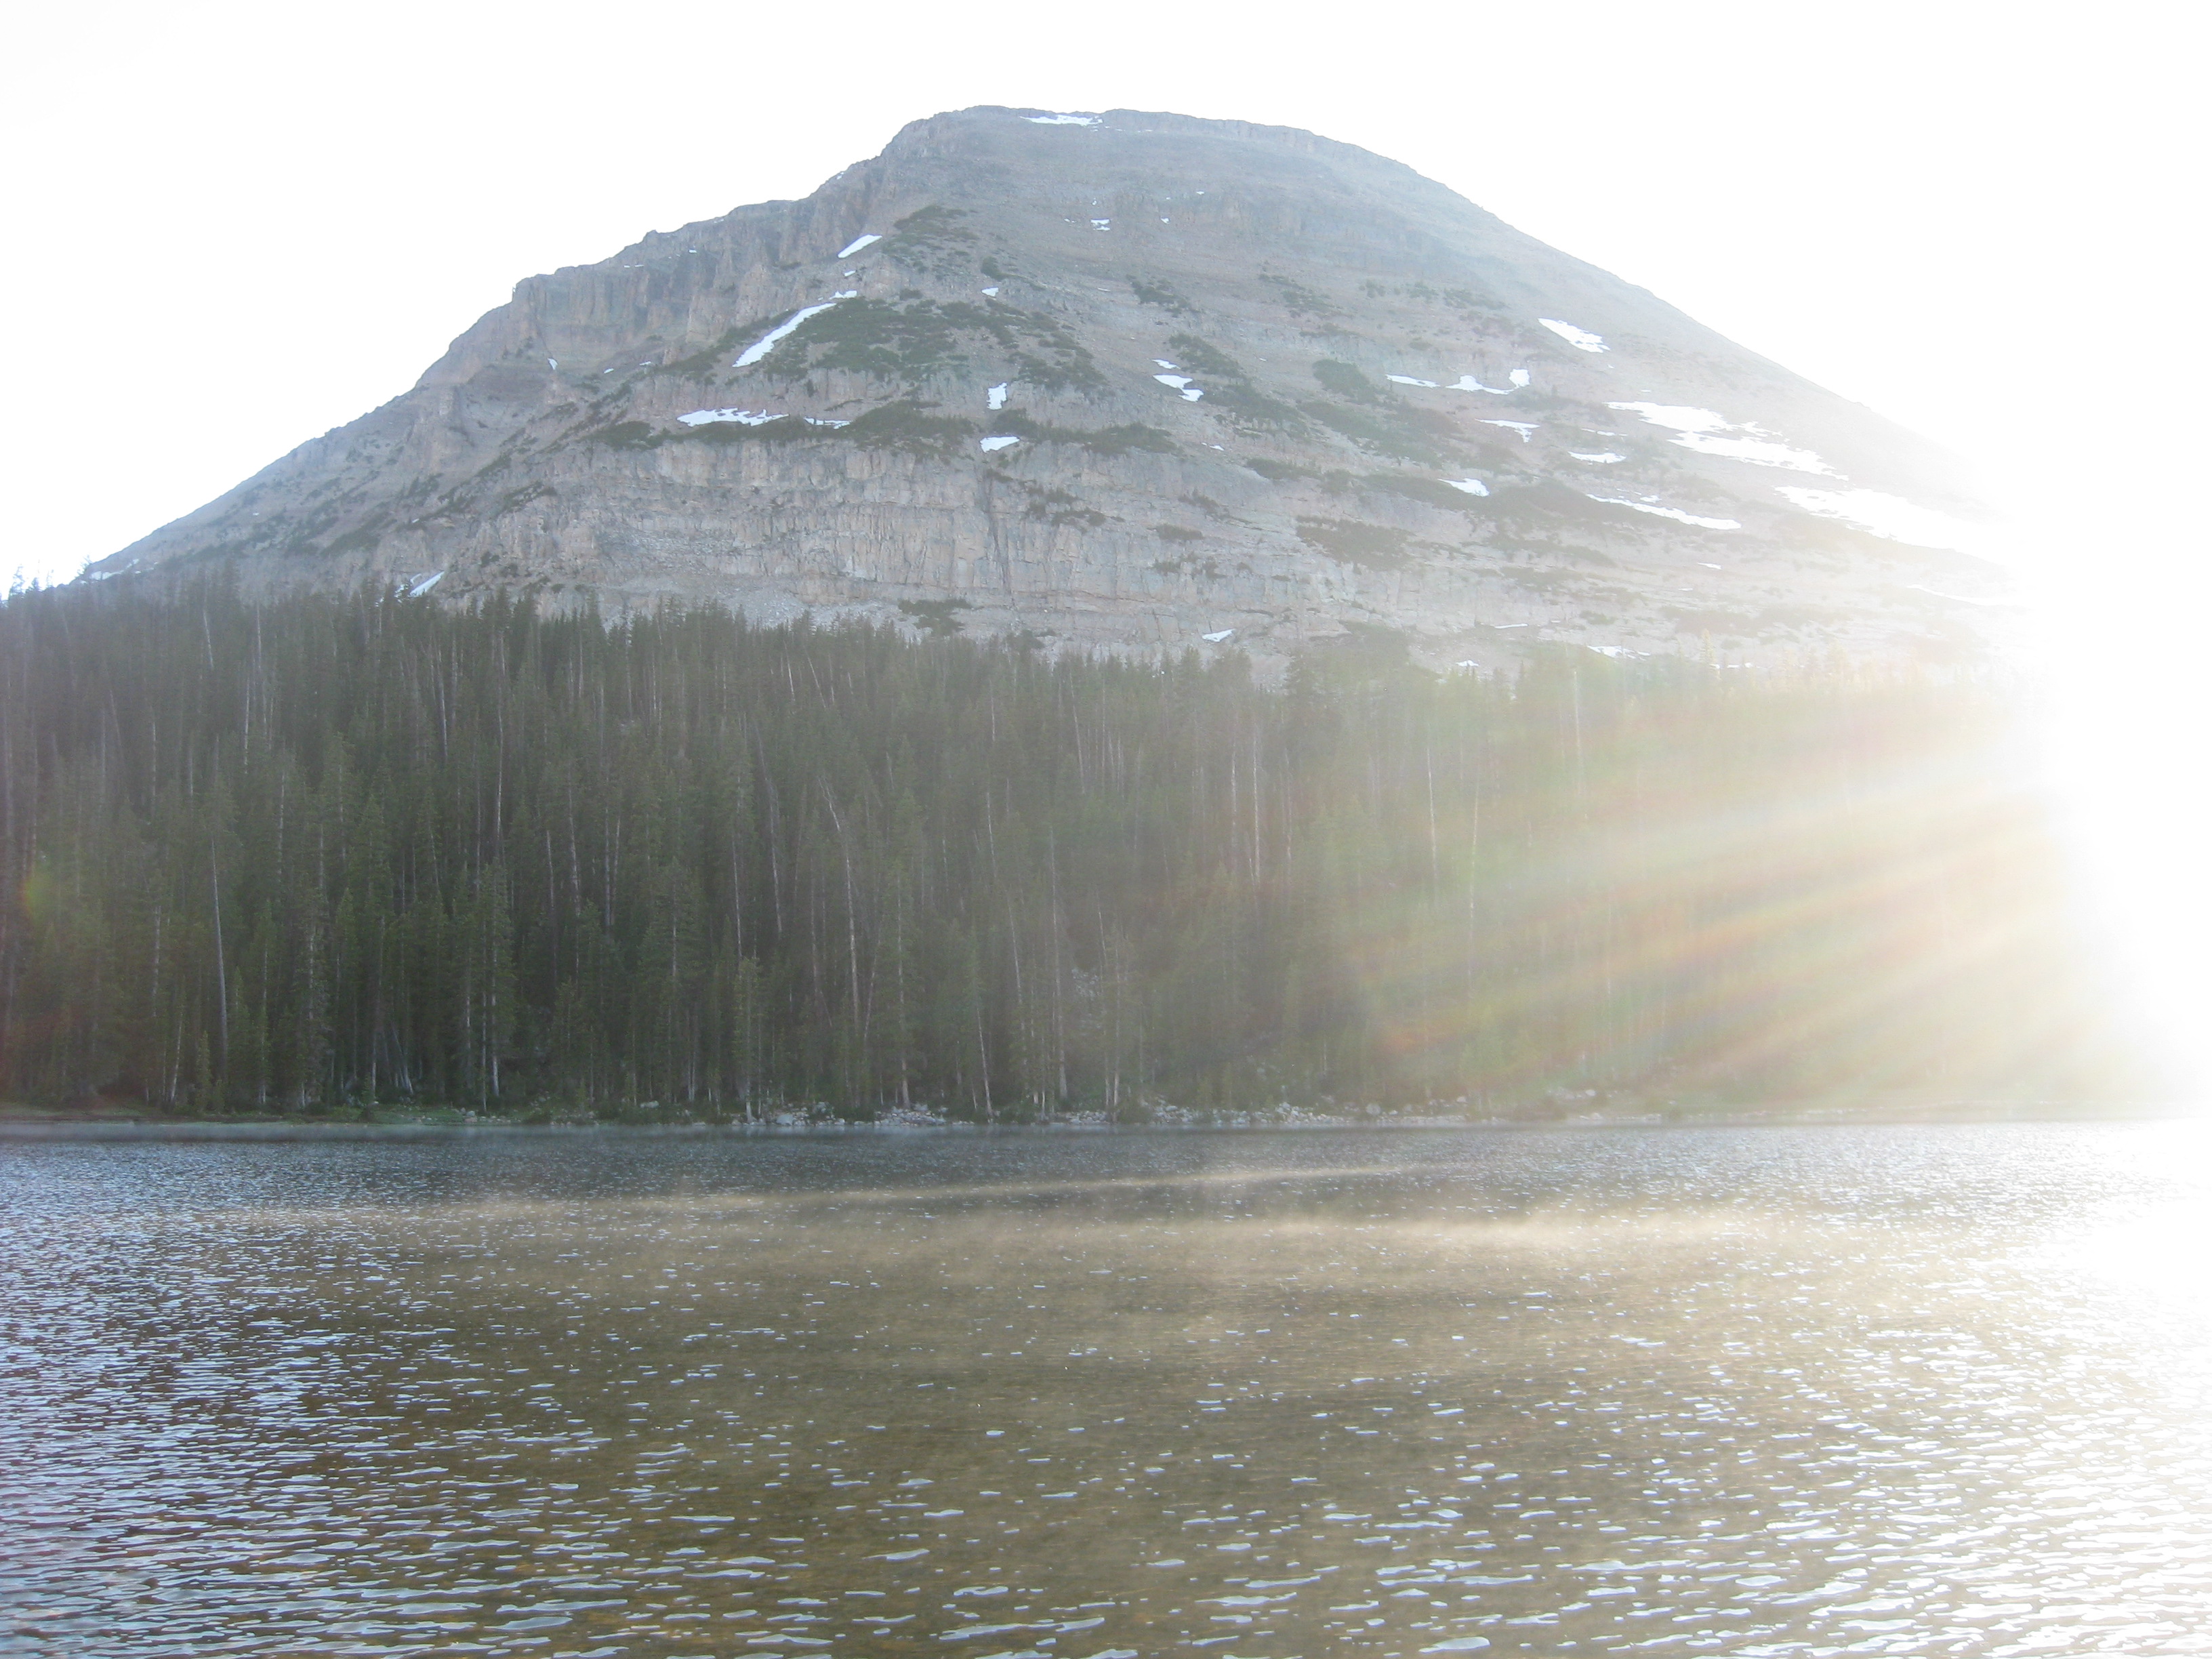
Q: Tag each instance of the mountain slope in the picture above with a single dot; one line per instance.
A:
(1127, 381)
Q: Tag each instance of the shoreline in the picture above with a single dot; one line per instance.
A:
(119, 1131)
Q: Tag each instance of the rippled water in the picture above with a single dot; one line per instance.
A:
(1764, 1391)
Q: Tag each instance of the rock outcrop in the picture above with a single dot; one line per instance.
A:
(1128, 381)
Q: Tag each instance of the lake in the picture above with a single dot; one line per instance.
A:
(1755, 1392)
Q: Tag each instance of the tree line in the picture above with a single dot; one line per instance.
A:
(316, 851)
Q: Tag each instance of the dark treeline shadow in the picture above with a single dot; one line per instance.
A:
(319, 852)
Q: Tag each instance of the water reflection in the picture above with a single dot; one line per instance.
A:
(1763, 1393)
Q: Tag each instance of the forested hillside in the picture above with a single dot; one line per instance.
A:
(324, 852)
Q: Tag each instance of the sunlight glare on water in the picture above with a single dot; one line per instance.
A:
(1761, 1392)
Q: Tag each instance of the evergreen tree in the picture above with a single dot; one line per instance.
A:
(292, 854)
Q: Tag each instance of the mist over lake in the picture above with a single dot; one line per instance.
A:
(1774, 1391)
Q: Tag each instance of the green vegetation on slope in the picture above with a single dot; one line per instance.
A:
(321, 851)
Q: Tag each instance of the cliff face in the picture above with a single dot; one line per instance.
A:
(1127, 381)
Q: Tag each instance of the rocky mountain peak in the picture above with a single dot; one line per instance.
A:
(1128, 381)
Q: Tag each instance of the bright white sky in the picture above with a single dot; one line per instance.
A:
(232, 226)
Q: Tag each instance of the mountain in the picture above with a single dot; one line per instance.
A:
(1128, 381)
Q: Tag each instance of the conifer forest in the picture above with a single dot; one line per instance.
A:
(316, 854)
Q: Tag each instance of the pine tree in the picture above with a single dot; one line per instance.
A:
(314, 851)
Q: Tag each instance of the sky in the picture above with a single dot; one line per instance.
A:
(231, 226)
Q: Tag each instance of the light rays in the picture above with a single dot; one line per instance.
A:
(1890, 916)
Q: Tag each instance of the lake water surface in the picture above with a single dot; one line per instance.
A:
(1755, 1392)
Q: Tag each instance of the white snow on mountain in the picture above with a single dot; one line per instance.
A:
(1759, 452)
(1469, 383)
(999, 443)
(751, 417)
(1601, 455)
(1580, 339)
(1472, 486)
(996, 398)
(857, 244)
(1679, 417)
(767, 342)
(1700, 429)
(1407, 379)
(1670, 513)
(1063, 121)
(1891, 516)
(1524, 427)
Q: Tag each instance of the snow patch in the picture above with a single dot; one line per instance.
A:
(426, 583)
(1701, 430)
(1580, 339)
(1524, 427)
(1890, 516)
(998, 443)
(1101, 224)
(1472, 486)
(768, 342)
(1469, 383)
(1673, 513)
(1519, 377)
(1679, 417)
(552, 362)
(1602, 455)
(1407, 379)
(1216, 639)
(1165, 364)
(857, 244)
(1759, 452)
(990, 294)
(1062, 120)
(751, 417)
(996, 396)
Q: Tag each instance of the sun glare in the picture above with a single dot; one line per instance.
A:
(2125, 759)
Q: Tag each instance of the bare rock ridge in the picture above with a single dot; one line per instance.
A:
(1129, 381)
